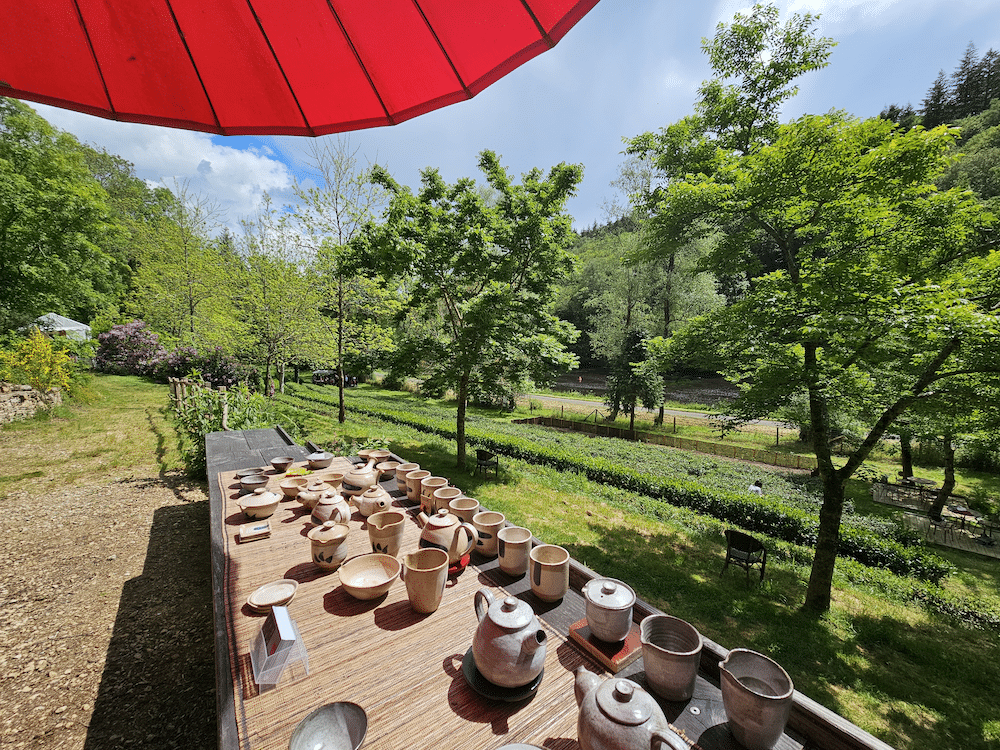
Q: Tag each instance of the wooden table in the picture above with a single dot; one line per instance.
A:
(404, 669)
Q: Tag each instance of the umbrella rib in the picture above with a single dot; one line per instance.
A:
(444, 52)
(277, 62)
(364, 69)
(541, 29)
(93, 54)
(180, 34)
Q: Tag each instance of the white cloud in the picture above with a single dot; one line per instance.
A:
(234, 177)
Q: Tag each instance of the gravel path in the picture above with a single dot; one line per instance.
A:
(105, 623)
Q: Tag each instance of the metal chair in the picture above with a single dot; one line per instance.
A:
(945, 525)
(485, 460)
(745, 551)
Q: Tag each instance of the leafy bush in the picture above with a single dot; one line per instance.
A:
(129, 349)
(216, 368)
(35, 361)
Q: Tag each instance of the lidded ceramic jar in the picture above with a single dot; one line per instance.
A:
(259, 505)
(328, 548)
(319, 460)
(609, 608)
(509, 645)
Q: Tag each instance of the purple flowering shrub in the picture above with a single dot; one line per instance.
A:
(129, 349)
(216, 367)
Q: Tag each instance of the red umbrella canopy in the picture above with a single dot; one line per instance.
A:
(280, 67)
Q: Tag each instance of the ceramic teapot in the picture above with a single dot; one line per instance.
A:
(372, 500)
(445, 531)
(509, 645)
(331, 506)
(617, 713)
(312, 493)
(359, 478)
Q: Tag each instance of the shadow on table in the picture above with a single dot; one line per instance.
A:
(158, 684)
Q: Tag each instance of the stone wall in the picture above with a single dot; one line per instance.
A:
(22, 401)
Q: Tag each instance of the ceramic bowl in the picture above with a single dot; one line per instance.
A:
(291, 486)
(274, 594)
(387, 469)
(249, 472)
(281, 463)
(380, 455)
(319, 460)
(337, 726)
(253, 482)
(369, 576)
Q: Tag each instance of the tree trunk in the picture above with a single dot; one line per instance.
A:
(906, 453)
(949, 479)
(342, 412)
(281, 378)
(463, 397)
(631, 419)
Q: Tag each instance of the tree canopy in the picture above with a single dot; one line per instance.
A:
(877, 289)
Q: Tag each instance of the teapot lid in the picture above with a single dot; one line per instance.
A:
(442, 519)
(609, 593)
(624, 702)
(511, 613)
(329, 498)
(330, 531)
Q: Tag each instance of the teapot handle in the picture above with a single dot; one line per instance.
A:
(482, 602)
(666, 739)
(473, 536)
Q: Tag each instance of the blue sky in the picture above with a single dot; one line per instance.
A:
(627, 67)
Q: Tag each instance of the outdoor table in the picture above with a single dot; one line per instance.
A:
(405, 669)
(961, 513)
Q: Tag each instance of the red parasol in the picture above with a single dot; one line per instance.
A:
(281, 67)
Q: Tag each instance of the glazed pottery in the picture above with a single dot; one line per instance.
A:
(509, 644)
(671, 653)
(609, 608)
(261, 504)
(365, 453)
(312, 493)
(428, 485)
(273, 594)
(413, 480)
(359, 478)
(336, 726)
(319, 460)
(425, 573)
(487, 524)
(334, 479)
(464, 507)
(385, 531)
(249, 472)
(369, 576)
(281, 463)
(387, 469)
(757, 695)
(548, 566)
(291, 486)
(446, 532)
(253, 482)
(380, 455)
(513, 546)
(328, 548)
(443, 497)
(331, 506)
(401, 471)
(372, 500)
(617, 713)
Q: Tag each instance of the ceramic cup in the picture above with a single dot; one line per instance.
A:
(514, 544)
(444, 495)
(413, 479)
(334, 479)
(425, 573)
(487, 523)
(549, 568)
(428, 485)
(671, 653)
(385, 531)
(464, 507)
(401, 471)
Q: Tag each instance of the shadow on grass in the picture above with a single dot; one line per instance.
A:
(158, 684)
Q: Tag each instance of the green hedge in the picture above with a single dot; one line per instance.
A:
(868, 541)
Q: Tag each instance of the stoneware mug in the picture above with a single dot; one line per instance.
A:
(464, 507)
(425, 573)
(488, 523)
(385, 531)
(513, 545)
(549, 569)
